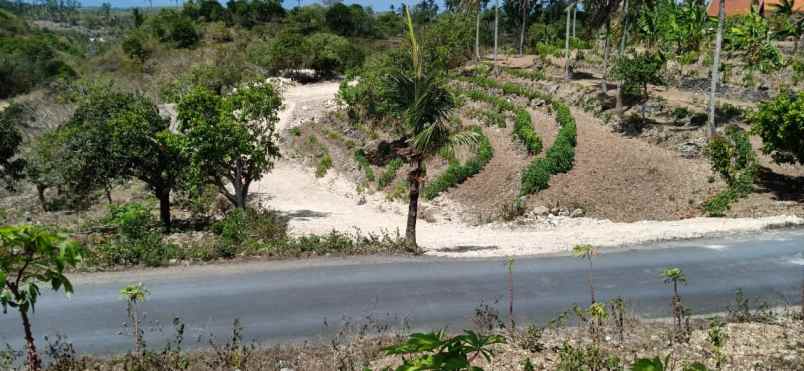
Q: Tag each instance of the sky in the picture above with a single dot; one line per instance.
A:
(378, 5)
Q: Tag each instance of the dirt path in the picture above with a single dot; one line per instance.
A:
(321, 205)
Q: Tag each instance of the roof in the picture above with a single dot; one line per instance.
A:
(742, 7)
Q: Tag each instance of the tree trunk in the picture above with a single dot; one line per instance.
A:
(591, 286)
(40, 192)
(567, 47)
(108, 190)
(496, 32)
(34, 362)
(524, 26)
(619, 108)
(604, 84)
(574, 18)
(164, 208)
(477, 32)
(710, 127)
(414, 179)
(239, 185)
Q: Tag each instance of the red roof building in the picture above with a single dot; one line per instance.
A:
(742, 7)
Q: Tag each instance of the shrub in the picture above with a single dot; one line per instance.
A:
(536, 177)
(732, 157)
(363, 164)
(457, 173)
(780, 123)
(523, 130)
(389, 174)
(328, 53)
(134, 46)
(435, 351)
(560, 158)
(247, 229)
(324, 164)
(589, 357)
(171, 27)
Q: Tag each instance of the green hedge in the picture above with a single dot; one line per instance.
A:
(560, 158)
(457, 173)
(523, 130)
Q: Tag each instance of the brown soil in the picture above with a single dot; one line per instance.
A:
(497, 184)
(625, 179)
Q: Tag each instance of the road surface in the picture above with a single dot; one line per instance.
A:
(282, 301)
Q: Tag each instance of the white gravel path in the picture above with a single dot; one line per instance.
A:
(331, 202)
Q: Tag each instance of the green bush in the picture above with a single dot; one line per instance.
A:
(174, 28)
(363, 164)
(27, 62)
(389, 174)
(457, 173)
(536, 177)
(732, 157)
(324, 164)
(560, 158)
(131, 220)
(134, 46)
(523, 130)
(242, 230)
(780, 124)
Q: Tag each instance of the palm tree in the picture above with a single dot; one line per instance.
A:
(478, 5)
(623, 40)
(710, 127)
(587, 252)
(568, 10)
(420, 96)
(525, 7)
(599, 13)
(496, 31)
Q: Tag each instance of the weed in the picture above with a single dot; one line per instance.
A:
(389, 174)
(363, 164)
(717, 338)
(324, 164)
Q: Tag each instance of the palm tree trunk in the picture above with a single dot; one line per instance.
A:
(710, 127)
(574, 18)
(619, 107)
(524, 26)
(40, 192)
(34, 363)
(589, 278)
(414, 179)
(604, 84)
(496, 31)
(477, 31)
(567, 46)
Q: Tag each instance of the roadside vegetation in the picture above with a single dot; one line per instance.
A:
(139, 134)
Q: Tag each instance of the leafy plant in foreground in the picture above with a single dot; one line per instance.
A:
(30, 255)
(436, 351)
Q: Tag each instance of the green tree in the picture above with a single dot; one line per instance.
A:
(600, 13)
(47, 163)
(30, 256)
(419, 96)
(134, 46)
(11, 165)
(147, 150)
(780, 124)
(640, 70)
(231, 137)
(327, 54)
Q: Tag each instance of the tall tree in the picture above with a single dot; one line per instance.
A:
(598, 14)
(231, 137)
(620, 53)
(11, 165)
(419, 95)
(475, 6)
(496, 31)
(721, 15)
(524, 7)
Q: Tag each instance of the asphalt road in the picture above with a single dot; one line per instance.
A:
(282, 301)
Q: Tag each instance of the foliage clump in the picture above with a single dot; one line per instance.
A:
(457, 173)
(733, 158)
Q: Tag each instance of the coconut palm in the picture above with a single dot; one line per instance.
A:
(496, 30)
(475, 5)
(524, 6)
(419, 95)
(587, 252)
(675, 276)
(599, 13)
(710, 127)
